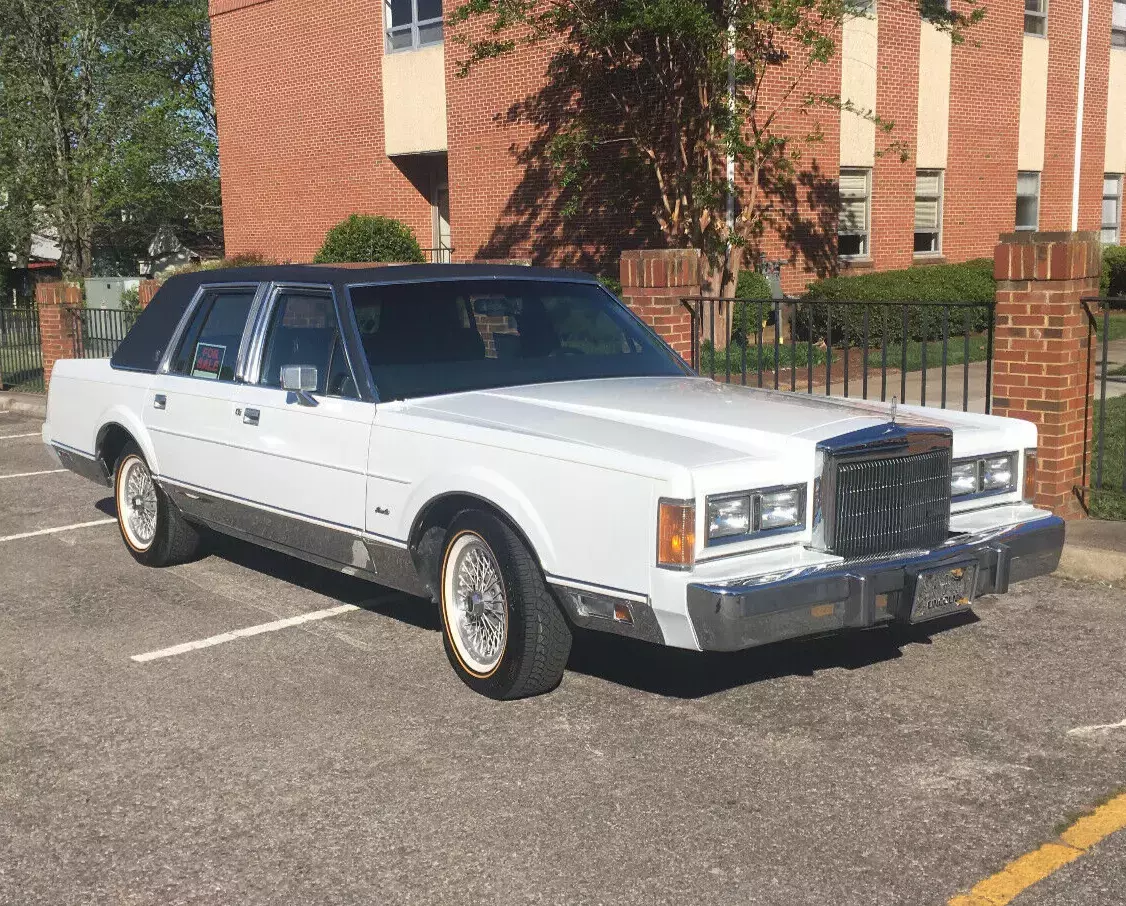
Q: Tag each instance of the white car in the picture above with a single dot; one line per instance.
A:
(514, 444)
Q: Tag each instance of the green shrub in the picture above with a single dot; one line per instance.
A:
(825, 302)
(131, 299)
(1113, 282)
(752, 285)
(365, 238)
(613, 284)
(750, 313)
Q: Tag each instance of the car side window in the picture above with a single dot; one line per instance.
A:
(210, 345)
(304, 330)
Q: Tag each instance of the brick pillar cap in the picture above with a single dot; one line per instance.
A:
(1055, 256)
(1032, 237)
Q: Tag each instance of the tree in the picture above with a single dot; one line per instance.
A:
(107, 121)
(678, 88)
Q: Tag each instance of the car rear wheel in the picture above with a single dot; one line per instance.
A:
(503, 631)
(154, 531)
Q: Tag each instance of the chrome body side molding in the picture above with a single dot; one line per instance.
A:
(342, 548)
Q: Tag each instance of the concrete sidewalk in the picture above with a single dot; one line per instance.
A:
(1095, 551)
(25, 403)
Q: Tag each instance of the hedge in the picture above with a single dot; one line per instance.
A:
(363, 238)
(937, 283)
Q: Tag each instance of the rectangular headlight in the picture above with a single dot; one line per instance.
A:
(729, 516)
(963, 478)
(993, 474)
(999, 473)
(781, 509)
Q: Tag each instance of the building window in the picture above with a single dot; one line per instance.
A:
(928, 212)
(852, 228)
(1112, 207)
(412, 23)
(1028, 200)
(1118, 24)
(1036, 17)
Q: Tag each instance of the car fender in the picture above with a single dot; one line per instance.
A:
(129, 420)
(493, 488)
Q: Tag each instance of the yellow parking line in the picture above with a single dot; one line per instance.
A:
(1033, 867)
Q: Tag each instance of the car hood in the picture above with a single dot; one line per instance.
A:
(686, 421)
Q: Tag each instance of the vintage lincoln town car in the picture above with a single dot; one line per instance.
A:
(515, 445)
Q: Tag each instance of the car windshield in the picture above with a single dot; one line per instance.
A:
(449, 336)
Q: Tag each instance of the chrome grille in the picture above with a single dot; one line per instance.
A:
(888, 504)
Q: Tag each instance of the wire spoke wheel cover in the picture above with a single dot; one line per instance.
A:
(474, 604)
(137, 508)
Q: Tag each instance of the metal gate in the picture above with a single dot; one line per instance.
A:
(21, 352)
(99, 331)
(1103, 487)
(928, 353)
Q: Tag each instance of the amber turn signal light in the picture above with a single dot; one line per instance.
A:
(1030, 476)
(676, 533)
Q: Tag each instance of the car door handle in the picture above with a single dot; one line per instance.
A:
(160, 401)
(250, 416)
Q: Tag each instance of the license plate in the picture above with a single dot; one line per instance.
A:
(939, 592)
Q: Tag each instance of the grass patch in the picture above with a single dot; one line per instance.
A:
(1110, 503)
(718, 361)
(21, 369)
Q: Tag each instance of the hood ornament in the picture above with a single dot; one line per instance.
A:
(894, 406)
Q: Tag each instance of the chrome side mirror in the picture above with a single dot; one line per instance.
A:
(300, 380)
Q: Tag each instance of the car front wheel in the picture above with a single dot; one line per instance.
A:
(503, 631)
(154, 531)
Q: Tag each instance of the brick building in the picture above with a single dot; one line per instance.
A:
(330, 107)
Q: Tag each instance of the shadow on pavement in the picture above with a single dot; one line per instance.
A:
(328, 582)
(692, 674)
(672, 672)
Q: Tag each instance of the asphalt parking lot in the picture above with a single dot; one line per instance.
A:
(341, 761)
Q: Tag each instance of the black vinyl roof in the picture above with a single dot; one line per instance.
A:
(143, 347)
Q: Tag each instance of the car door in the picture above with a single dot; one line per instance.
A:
(190, 407)
(305, 454)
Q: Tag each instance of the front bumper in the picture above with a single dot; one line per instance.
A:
(741, 613)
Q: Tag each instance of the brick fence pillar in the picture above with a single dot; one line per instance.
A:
(146, 291)
(1042, 371)
(653, 283)
(58, 335)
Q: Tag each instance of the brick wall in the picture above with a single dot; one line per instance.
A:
(1042, 371)
(897, 100)
(802, 231)
(1056, 179)
(300, 105)
(981, 168)
(503, 200)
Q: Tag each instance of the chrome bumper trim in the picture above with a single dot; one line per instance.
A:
(742, 613)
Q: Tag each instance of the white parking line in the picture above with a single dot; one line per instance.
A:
(1096, 728)
(243, 633)
(31, 474)
(61, 528)
(14, 436)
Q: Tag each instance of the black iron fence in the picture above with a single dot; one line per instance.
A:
(1103, 489)
(21, 352)
(933, 354)
(99, 331)
(443, 254)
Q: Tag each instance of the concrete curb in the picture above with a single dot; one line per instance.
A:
(24, 403)
(1095, 551)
